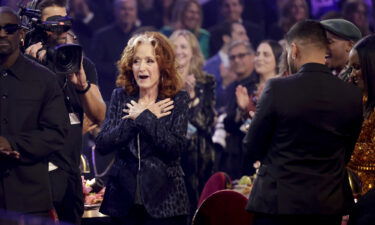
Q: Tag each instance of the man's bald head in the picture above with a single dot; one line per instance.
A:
(10, 36)
(11, 12)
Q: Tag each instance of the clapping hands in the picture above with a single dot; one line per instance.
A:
(242, 97)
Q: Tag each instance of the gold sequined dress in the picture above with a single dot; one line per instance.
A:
(362, 161)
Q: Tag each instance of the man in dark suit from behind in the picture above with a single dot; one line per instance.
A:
(303, 133)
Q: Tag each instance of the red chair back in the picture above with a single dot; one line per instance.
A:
(218, 181)
(225, 207)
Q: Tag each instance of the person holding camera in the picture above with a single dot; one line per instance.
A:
(33, 124)
(82, 96)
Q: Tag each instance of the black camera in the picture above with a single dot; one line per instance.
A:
(63, 59)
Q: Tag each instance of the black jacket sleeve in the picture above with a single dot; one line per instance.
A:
(261, 128)
(115, 131)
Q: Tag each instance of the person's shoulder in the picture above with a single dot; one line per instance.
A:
(250, 25)
(166, 30)
(208, 78)
(213, 60)
(119, 95)
(87, 60)
(36, 68)
(215, 29)
(105, 30)
(204, 32)
(181, 96)
(119, 91)
(347, 87)
(282, 82)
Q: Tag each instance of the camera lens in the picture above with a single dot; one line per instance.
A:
(66, 59)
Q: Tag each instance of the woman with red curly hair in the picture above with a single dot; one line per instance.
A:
(146, 125)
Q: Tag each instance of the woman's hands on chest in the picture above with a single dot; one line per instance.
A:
(159, 109)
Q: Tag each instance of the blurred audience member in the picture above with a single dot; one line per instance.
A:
(166, 8)
(319, 8)
(197, 161)
(218, 65)
(231, 10)
(146, 126)
(357, 12)
(149, 13)
(331, 15)
(187, 14)
(10, 3)
(241, 56)
(87, 20)
(362, 67)
(109, 41)
(266, 62)
(342, 35)
(291, 12)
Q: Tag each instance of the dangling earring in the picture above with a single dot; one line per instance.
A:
(22, 42)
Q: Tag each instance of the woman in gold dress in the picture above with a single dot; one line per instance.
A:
(362, 65)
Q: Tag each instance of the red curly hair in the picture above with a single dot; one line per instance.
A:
(170, 80)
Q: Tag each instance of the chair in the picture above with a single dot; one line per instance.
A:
(224, 207)
(218, 181)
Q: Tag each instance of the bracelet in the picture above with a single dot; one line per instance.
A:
(81, 92)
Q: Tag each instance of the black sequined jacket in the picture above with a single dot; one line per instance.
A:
(149, 148)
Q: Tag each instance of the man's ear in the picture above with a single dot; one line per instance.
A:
(226, 38)
(295, 52)
(349, 46)
(21, 35)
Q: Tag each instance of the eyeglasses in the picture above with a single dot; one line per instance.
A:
(10, 28)
(240, 56)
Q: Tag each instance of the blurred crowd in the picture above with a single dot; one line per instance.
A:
(104, 27)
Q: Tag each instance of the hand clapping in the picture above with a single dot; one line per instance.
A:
(242, 97)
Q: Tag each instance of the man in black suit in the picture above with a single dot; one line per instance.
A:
(304, 132)
(33, 124)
